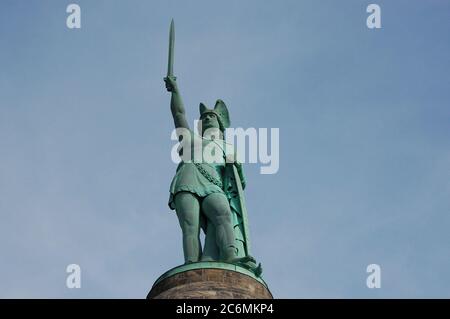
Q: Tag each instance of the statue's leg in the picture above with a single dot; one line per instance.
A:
(217, 209)
(188, 212)
(210, 249)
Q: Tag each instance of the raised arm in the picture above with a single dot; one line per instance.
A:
(176, 103)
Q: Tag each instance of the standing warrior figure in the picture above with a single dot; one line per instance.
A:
(208, 193)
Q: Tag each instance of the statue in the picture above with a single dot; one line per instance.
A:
(208, 194)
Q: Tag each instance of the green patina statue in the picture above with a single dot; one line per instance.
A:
(208, 194)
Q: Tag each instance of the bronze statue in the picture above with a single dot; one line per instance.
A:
(208, 194)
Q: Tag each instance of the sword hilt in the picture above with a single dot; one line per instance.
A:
(171, 84)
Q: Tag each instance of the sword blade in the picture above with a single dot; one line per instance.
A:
(171, 48)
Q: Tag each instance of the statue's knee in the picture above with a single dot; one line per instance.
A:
(223, 216)
(191, 221)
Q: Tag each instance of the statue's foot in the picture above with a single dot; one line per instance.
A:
(249, 263)
(243, 260)
(207, 258)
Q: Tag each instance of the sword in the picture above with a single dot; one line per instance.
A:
(171, 49)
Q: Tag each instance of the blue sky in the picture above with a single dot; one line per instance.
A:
(364, 141)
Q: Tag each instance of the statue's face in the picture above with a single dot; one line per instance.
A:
(209, 120)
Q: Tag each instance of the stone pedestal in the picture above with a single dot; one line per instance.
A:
(209, 280)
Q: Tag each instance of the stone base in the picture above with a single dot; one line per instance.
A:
(210, 281)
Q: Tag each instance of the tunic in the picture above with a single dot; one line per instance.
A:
(205, 155)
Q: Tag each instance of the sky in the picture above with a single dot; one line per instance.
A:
(363, 117)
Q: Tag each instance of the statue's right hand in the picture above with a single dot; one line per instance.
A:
(171, 83)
